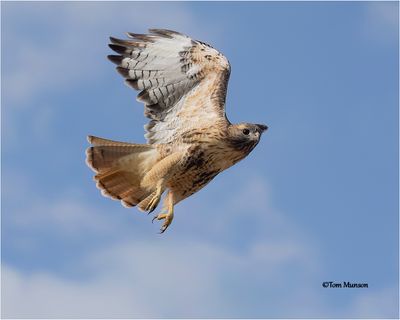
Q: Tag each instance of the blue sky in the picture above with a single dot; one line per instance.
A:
(317, 200)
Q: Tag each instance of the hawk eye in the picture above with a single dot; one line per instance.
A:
(246, 131)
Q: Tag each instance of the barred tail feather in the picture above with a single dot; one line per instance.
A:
(120, 167)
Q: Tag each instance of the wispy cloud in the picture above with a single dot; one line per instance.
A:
(70, 55)
(129, 277)
(137, 279)
(150, 279)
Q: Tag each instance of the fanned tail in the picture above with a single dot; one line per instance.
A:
(120, 167)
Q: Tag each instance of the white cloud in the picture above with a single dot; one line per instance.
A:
(130, 276)
(68, 214)
(172, 278)
(183, 273)
(138, 279)
(65, 50)
(46, 296)
(79, 32)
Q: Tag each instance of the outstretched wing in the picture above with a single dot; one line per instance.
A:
(183, 82)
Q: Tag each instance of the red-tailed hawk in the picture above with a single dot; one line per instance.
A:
(183, 84)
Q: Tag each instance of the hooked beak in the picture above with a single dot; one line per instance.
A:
(261, 127)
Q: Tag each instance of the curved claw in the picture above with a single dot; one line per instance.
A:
(153, 204)
(164, 227)
(164, 216)
(159, 216)
(151, 210)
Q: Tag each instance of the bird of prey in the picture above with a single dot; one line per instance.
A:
(183, 84)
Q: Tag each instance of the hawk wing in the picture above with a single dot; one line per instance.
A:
(183, 82)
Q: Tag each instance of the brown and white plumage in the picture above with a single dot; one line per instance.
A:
(183, 84)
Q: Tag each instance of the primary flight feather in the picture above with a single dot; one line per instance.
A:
(183, 84)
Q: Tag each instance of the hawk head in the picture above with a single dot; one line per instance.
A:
(245, 136)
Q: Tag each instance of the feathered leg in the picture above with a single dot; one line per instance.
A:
(155, 180)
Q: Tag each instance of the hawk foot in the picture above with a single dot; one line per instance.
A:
(167, 217)
(153, 203)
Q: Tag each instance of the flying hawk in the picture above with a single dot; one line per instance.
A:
(183, 84)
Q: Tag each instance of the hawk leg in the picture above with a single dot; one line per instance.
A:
(155, 180)
(169, 215)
